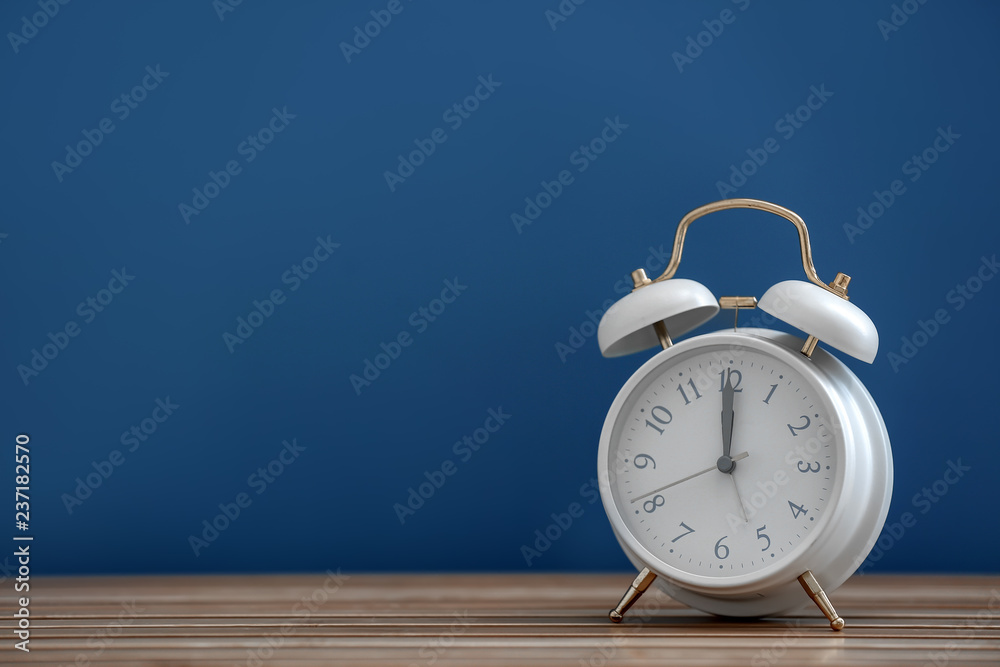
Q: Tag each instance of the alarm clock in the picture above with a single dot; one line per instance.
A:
(739, 467)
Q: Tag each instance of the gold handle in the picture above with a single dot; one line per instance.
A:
(791, 216)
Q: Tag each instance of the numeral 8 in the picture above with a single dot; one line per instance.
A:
(651, 505)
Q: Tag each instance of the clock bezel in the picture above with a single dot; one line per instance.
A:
(797, 559)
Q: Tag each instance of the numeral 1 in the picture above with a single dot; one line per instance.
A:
(770, 393)
(697, 395)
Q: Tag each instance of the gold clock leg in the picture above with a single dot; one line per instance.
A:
(634, 592)
(818, 595)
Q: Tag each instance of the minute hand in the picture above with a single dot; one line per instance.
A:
(738, 457)
(725, 463)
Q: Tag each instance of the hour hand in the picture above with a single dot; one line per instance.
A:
(725, 462)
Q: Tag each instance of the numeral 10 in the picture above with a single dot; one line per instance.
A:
(663, 417)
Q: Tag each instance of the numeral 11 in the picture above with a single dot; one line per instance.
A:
(697, 395)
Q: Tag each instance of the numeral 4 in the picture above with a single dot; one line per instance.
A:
(797, 510)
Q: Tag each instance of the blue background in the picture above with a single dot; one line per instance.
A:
(495, 346)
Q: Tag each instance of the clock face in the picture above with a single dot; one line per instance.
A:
(687, 507)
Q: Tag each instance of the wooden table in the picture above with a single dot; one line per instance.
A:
(551, 619)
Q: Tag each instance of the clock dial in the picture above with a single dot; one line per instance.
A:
(723, 461)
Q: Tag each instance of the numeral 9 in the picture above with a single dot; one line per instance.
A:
(646, 460)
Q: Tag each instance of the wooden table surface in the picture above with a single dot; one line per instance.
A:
(540, 619)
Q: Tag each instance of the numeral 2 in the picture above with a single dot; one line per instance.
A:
(793, 429)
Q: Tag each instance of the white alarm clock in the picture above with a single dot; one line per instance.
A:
(739, 467)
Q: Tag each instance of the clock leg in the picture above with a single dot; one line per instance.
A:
(634, 592)
(818, 595)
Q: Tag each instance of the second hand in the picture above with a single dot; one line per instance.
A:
(740, 498)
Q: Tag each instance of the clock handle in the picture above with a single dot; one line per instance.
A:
(839, 284)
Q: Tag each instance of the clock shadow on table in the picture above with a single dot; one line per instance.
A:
(669, 615)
